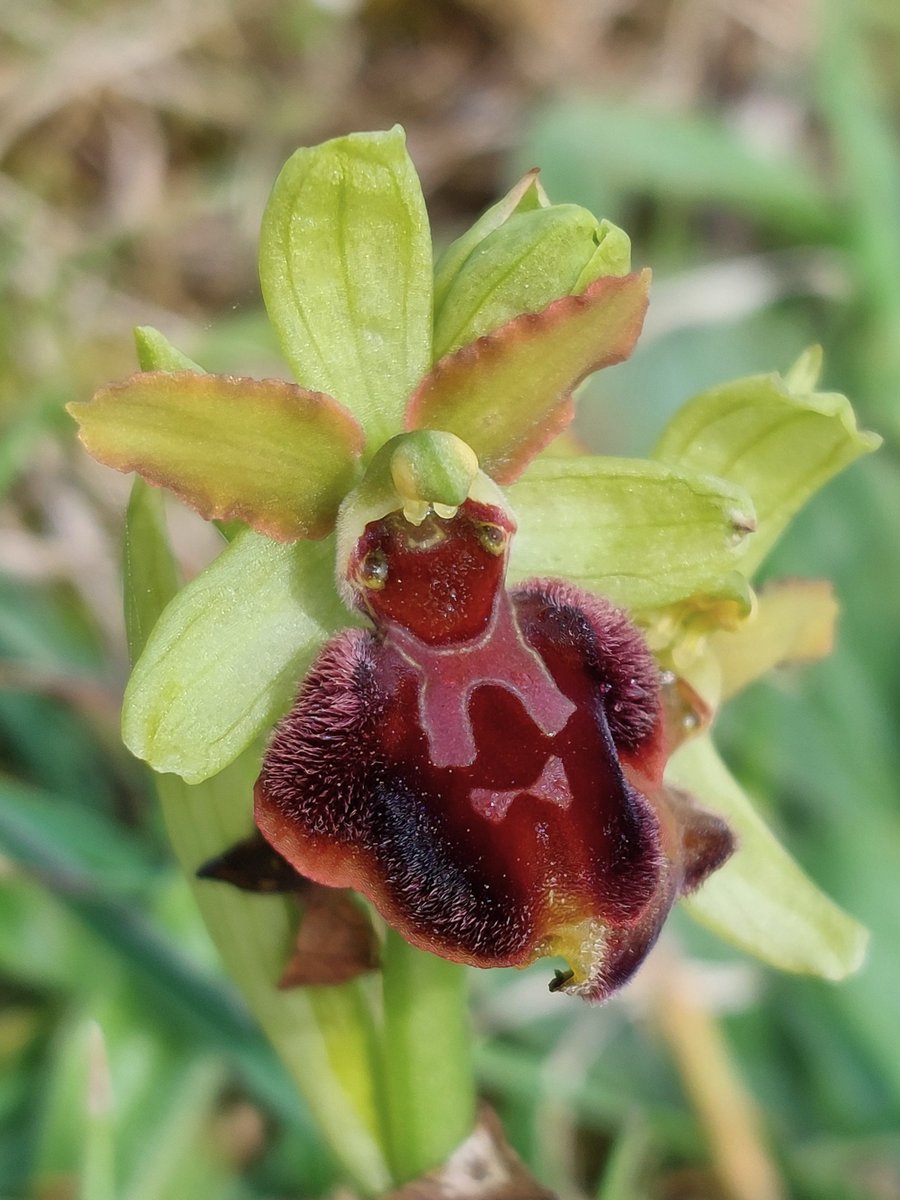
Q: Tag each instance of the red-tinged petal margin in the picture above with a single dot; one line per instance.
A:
(266, 452)
(509, 394)
(498, 798)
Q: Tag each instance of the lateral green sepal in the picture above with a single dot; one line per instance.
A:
(228, 652)
(761, 900)
(156, 353)
(646, 535)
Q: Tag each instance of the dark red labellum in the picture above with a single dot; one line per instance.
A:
(485, 766)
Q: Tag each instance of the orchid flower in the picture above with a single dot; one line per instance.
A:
(477, 657)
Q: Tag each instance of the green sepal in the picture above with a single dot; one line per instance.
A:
(225, 657)
(264, 451)
(772, 434)
(510, 393)
(156, 353)
(531, 259)
(761, 900)
(345, 269)
(643, 534)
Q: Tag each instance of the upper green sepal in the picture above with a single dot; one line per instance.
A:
(264, 451)
(345, 269)
(774, 435)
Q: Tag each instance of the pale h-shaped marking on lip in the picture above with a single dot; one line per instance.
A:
(552, 785)
(448, 675)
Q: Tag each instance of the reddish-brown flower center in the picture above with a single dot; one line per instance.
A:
(439, 579)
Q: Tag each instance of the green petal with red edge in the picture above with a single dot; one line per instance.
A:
(346, 272)
(227, 653)
(761, 900)
(774, 435)
(264, 451)
(643, 534)
(509, 393)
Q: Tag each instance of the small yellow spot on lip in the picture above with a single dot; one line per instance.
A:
(373, 571)
(415, 511)
(579, 942)
(492, 537)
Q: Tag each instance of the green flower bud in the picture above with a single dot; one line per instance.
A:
(520, 256)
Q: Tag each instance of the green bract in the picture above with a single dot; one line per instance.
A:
(444, 383)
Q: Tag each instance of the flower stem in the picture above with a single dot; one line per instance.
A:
(324, 1036)
(427, 1057)
(726, 1111)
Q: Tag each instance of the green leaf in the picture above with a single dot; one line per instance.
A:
(263, 451)
(151, 576)
(228, 652)
(859, 123)
(509, 393)
(34, 821)
(761, 900)
(184, 994)
(774, 436)
(345, 268)
(532, 259)
(156, 353)
(643, 534)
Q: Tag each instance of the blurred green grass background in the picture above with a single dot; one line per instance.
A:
(751, 149)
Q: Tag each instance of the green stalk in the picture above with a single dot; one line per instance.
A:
(98, 1161)
(427, 1057)
(325, 1036)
